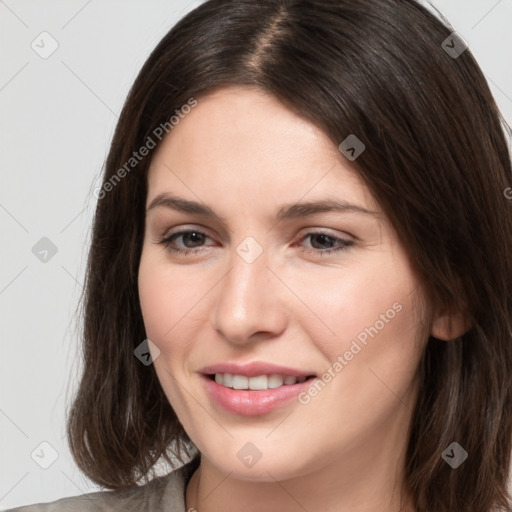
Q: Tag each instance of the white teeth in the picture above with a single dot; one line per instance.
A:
(240, 382)
(256, 383)
(226, 379)
(260, 382)
(275, 381)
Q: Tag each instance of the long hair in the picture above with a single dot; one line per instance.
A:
(436, 160)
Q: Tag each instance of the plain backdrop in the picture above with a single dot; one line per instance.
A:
(58, 113)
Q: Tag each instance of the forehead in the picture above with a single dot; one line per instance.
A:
(242, 141)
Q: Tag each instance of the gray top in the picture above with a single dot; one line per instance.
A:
(162, 494)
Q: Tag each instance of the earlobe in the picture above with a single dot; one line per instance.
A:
(449, 324)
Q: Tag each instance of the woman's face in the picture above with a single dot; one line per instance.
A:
(324, 291)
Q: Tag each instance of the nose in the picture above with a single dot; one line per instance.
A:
(248, 305)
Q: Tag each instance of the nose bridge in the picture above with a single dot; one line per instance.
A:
(248, 299)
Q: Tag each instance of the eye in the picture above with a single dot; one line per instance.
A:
(192, 239)
(323, 243)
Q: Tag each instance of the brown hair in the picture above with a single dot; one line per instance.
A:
(436, 160)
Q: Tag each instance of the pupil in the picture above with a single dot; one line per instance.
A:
(326, 239)
(192, 235)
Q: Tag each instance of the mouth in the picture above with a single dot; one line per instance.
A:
(254, 395)
(258, 382)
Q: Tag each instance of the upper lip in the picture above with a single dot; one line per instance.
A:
(255, 368)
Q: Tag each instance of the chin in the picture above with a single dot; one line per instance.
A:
(276, 465)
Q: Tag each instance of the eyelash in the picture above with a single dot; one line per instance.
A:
(167, 242)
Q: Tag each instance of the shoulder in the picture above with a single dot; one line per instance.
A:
(165, 493)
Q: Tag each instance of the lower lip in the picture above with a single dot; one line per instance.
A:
(252, 403)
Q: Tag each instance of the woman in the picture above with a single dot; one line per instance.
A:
(299, 282)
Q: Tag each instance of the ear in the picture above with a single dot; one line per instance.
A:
(449, 323)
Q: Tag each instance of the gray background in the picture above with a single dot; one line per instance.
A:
(58, 116)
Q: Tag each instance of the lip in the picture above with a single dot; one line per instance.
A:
(251, 402)
(255, 368)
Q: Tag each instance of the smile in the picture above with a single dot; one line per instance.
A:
(246, 401)
(257, 383)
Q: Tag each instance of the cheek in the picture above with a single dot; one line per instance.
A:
(378, 330)
(371, 363)
(167, 297)
(364, 303)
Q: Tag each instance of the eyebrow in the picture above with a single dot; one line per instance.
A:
(285, 212)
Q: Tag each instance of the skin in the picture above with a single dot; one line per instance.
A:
(244, 154)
